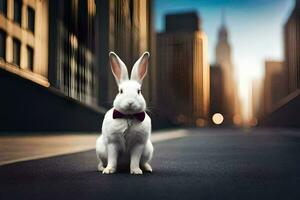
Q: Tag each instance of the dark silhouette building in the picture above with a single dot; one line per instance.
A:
(216, 90)
(292, 48)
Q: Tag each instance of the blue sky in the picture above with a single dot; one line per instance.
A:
(255, 31)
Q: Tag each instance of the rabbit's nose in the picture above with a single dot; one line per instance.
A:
(130, 103)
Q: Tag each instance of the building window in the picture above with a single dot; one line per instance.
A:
(2, 44)
(17, 11)
(16, 52)
(30, 58)
(3, 7)
(30, 17)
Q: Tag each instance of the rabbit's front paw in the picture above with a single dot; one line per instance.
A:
(136, 171)
(108, 170)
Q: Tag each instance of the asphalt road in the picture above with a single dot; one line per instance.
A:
(209, 164)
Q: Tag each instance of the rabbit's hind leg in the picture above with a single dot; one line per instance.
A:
(146, 157)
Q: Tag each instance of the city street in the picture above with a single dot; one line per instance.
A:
(204, 164)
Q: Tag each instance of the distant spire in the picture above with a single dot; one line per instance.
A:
(223, 30)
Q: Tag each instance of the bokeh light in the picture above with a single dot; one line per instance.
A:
(217, 118)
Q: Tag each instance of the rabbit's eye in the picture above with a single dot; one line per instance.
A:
(139, 91)
(121, 91)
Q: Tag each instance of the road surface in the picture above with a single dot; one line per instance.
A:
(206, 164)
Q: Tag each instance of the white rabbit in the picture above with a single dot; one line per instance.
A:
(126, 128)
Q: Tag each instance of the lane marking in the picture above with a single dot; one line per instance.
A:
(155, 138)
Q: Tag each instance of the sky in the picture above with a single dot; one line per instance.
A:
(255, 30)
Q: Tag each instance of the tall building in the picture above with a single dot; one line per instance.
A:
(24, 39)
(224, 60)
(275, 85)
(126, 28)
(292, 48)
(183, 70)
(72, 49)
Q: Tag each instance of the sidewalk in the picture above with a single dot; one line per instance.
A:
(17, 148)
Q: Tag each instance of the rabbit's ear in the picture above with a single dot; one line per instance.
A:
(139, 69)
(118, 68)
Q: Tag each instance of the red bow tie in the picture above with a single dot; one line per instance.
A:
(139, 116)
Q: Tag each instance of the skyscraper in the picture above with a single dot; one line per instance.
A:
(183, 70)
(292, 48)
(223, 59)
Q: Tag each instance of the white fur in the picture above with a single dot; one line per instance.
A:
(126, 140)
